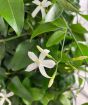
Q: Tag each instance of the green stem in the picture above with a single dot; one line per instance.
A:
(11, 38)
(63, 43)
(72, 66)
(74, 38)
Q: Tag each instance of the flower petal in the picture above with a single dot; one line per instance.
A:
(48, 3)
(9, 102)
(44, 1)
(2, 100)
(43, 12)
(1, 95)
(10, 94)
(48, 63)
(31, 67)
(37, 2)
(43, 54)
(35, 12)
(32, 56)
(43, 72)
(3, 91)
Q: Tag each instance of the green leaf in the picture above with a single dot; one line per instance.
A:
(3, 28)
(39, 93)
(84, 50)
(48, 97)
(2, 73)
(85, 104)
(64, 100)
(50, 26)
(13, 12)
(55, 38)
(84, 16)
(60, 22)
(2, 50)
(26, 82)
(67, 6)
(20, 59)
(78, 28)
(42, 28)
(17, 87)
(53, 13)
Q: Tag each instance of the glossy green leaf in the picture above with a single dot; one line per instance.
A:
(17, 87)
(48, 97)
(85, 104)
(84, 16)
(42, 28)
(60, 22)
(64, 100)
(2, 73)
(2, 50)
(55, 38)
(50, 26)
(13, 12)
(83, 51)
(66, 5)
(20, 59)
(78, 28)
(3, 28)
(39, 93)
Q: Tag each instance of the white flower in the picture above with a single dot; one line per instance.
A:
(4, 97)
(40, 62)
(40, 7)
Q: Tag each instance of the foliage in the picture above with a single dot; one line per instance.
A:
(20, 33)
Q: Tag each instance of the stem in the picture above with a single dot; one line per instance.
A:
(74, 39)
(63, 43)
(11, 38)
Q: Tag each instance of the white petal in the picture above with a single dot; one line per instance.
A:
(2, 100)
(37, 2)
(3, 91)
(10, 94)
(43, 72)
(9, 102)
(1, 95)
(48, 3)
(43, 54)
(44, 1)
(35, 12)
(43, 12)
(31, 67)
(32, 56)
(48, 63)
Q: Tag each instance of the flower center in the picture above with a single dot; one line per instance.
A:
(38, 61)
(5, 97)
(41, 5)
